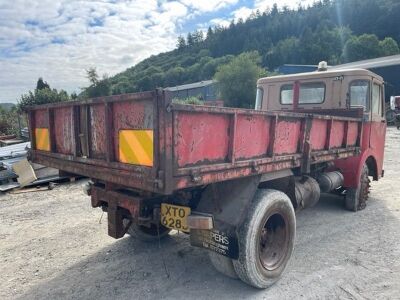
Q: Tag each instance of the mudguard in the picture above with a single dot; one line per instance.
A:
(227, 202)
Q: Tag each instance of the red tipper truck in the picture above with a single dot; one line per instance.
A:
(231, 178)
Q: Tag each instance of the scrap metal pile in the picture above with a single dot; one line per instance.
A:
(17, 172)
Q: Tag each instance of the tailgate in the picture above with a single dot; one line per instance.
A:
(112, 139)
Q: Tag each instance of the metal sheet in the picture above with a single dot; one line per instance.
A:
(318, 134)
(131, 115)
(287, 136)
(8, 186)
(14, 150)
(252, 136)
(200, 138)
(46, 179)
(41, 118)
(337, 134)
(64, 135)
(352, 133)
(97, 131)
(7, 174)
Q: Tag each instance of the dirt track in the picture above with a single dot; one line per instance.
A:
(52, 246)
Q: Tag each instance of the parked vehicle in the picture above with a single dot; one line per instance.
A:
(231, 178)
(393, 112)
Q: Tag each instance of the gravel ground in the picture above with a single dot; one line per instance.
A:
(53, 245)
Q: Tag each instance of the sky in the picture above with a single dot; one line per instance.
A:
(59, 39)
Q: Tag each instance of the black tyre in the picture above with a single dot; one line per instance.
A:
(147, 234)
(356, 198)
(390, 116)
(266, 239)
(222, 264)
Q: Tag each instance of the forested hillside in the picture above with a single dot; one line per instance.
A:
(337, 31)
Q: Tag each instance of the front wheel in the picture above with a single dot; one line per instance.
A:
(356, 198)
(266, 239)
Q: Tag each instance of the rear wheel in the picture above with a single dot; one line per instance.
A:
(356, 198)
(147, 234)
(266, 239)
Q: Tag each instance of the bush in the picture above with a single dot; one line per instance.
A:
(9, 121)
(189, 100)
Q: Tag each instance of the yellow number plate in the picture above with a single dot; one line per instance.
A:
(174, 216)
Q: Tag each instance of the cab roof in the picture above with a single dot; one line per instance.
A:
(319, 75)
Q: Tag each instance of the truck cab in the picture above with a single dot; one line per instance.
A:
(337, 92)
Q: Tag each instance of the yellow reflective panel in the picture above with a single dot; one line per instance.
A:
(42, 139)
(136, 147)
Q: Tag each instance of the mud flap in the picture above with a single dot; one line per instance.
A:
(228, 203)
(222, 240)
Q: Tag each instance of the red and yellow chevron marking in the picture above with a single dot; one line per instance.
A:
(42, 139)
(136, 147)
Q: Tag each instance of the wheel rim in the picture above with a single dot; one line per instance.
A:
(273, 241)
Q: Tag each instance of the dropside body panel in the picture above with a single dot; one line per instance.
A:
(143, 141)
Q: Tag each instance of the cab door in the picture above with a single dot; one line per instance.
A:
(378, 123)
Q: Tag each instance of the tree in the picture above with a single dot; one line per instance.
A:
(98, 87)
(74, 96)
(42, 96)
(181, 42)
(189, 39)
(92, 75)
(274, 10)
(198, 37)
(365, 46)
(285, 52)
(237, 80)
(209, 32)
(40, 85)
(389, 47)
(174, 76)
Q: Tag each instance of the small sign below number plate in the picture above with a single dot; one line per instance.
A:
(174, 216)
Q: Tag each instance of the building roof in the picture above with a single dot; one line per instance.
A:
(294, 65)
(318, 74)
(293, 69)
(370, 63)
(190, 86)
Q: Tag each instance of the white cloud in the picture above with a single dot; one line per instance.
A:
(242, 13)
(59, 39)
(207, 6)
(220, 22)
